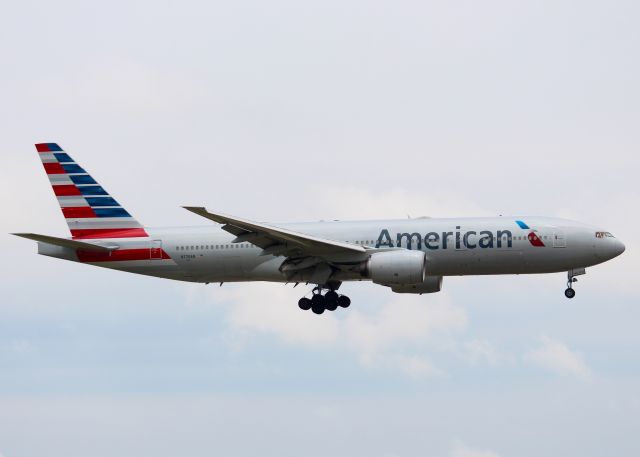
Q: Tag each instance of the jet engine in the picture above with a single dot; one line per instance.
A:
(430, 285)
(396, 267)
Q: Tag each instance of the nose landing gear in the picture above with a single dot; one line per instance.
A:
(318, 303)
(571, 278)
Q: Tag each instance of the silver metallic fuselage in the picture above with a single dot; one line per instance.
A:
(208, 254)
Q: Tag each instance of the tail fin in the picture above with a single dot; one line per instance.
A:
(89, 209)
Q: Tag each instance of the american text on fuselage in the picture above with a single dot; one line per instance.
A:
(471, 239)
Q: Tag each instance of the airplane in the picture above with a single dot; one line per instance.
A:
(406, 255)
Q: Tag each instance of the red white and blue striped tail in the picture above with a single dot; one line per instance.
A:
(89, 209)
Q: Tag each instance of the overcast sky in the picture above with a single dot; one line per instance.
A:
(292, 111)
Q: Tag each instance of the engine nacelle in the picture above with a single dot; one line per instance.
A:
(430, 285)
(397, 267)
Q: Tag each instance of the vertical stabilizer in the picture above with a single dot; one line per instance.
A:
(90, 211)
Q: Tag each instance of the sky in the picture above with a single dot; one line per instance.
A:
(302, 111)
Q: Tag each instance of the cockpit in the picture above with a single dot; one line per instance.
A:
(604, 235)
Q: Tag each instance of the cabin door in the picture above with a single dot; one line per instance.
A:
(558, 239)
(155, 253)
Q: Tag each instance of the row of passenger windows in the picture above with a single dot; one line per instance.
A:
(208, 247)
(450, 237)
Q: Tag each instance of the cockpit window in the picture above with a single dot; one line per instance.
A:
(604, 235)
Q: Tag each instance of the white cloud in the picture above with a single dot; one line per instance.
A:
(405, 320)
(460, 450)
(477, 351)
(556, 357)
(398, 335)
(417, 367)
(272, 309)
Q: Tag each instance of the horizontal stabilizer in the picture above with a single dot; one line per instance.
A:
(64, 242)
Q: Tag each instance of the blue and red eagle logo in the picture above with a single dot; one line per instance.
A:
(533, 237)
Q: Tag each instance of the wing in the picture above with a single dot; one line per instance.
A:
(276, 240)
(307, 256)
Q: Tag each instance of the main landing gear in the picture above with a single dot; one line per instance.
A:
(571, 278)
(329, 301)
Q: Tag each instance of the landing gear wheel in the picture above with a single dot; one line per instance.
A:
(344, 301)
(304, 303)
(571, 278)
(318, 304)
(331, 300)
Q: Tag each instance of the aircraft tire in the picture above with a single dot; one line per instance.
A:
(318, 304)
(569, 293)
(331, 300)
(304, 304)
(344, 301)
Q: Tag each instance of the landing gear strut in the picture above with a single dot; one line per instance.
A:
(318, 303)
(571, 278)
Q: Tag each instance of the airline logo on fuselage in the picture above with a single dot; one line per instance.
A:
(470, 239)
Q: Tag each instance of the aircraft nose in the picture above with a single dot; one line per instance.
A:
(609, 248)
